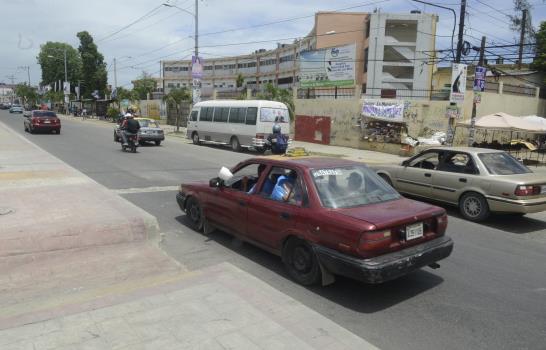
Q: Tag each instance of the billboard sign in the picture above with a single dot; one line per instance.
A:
(458, 83)
(334, 66)
(392, 111)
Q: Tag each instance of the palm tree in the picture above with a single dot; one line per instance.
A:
(176, 97)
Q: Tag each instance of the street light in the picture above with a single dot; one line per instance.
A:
(66, 93)
(196, 37)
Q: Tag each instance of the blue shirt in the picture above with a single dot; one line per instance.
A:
(279, 192)
(267, 187)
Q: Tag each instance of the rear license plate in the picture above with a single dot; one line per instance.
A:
(414, 231)
(47, 122)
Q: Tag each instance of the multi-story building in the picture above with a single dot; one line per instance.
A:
(6, 93)
(392, 52)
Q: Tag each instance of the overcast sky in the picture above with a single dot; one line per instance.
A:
(166, 33)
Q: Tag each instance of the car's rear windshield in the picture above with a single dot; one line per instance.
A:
(502, 163)
(148, 123)
(45, 114)
(351, 186)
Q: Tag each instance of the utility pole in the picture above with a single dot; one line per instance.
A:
(472, 130)
(12, 78)
(115, 75)
(522, 36)
(197, 28)
(461, 32)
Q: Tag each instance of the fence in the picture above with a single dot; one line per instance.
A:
(334, 92)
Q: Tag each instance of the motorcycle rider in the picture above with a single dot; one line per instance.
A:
(276, 139)
(128, 126)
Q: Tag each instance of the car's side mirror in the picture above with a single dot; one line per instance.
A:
(405, 163)
(216, 182)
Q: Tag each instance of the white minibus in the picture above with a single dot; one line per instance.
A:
(238, 123)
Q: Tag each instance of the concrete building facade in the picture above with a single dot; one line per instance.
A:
(403, 41)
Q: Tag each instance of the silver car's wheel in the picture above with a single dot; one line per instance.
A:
(473, 207)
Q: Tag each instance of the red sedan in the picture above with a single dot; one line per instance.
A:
(323, 216)
(42, 121)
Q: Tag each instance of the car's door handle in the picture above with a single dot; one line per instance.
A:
(428, 174)
(285, 216)
(462, 179)
(242, 203)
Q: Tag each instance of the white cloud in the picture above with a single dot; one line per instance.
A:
(26, 24)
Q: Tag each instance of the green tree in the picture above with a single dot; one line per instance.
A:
(273, 93)
(54, 96)
(516, 22)
(28, 94)
(539, 62)
(240, 80)
(126, 94)
(176, 97)
(144, 85)
(51, 61)
(93, 66)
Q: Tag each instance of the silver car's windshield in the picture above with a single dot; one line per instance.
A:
(351, 186)
(502, 163)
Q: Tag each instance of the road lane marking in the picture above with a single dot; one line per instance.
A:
(146, 189)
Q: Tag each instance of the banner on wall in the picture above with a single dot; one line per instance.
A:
(392, 111)
(334, 66)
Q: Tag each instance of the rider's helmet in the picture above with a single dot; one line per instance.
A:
(276, 129)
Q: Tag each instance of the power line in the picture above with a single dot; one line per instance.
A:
(491, 7)
(149, 13)
(262, 25)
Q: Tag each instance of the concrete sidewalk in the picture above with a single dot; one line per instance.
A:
(80, 269)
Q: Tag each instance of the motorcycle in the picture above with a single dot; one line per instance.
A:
(132, 140)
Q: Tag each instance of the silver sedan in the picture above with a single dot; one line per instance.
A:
(477, 180)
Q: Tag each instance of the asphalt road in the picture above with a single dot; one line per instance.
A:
(490, 294)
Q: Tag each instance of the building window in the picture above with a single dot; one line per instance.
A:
(288, 58)
(251, 64)
(287, 80)
(367, 29)
(208, 68)
(363, 88)
(218, 67)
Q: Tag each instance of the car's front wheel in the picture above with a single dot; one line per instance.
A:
(157, 143)
(473, 206)
(194, 214)
(301, 262)
(235, 145)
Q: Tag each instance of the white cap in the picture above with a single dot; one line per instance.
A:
(128, 115)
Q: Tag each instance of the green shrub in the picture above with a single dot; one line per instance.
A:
(113, 113)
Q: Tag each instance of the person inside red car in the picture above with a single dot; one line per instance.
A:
(268, 184)
(283, 187)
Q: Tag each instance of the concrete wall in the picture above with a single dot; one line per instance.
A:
(422, 117)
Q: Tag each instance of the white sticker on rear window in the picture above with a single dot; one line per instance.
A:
(326, 172)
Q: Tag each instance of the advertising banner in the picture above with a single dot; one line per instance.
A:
(458, 83)
(392, 111)
(334, 66)
(196, 67)
(479, 79)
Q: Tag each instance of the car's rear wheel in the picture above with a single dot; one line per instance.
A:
(235, 145)
(301, 262)
(194, 214)
(195, 138)
(157, 143)
(473, 206)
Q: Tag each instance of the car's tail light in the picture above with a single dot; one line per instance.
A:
(372, 240)
(525, 190)
(260, 136)
(441, 224)
(35, 120)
